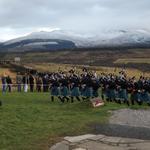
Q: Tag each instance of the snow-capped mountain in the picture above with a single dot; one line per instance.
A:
(61, 39)
(123, 38)
(78, 39)
(130, 38)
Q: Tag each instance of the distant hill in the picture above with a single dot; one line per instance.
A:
(60, 40)
(36, 45)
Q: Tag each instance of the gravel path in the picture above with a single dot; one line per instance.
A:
(126, 123)
(129, 117)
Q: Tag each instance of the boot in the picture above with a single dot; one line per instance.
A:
(119, 101)
(66, 98)
(107, 99)
(128, 103)
(83, 98)
(0, 103)
(61, 99)
(72, 100)
(132, 101)
(52, 98)
(78, 98)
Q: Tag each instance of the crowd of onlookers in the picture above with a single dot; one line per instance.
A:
(25, 82)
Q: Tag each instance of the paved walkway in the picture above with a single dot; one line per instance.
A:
(101, 142)
(124, 126)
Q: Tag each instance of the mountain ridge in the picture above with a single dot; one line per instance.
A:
(61, 39)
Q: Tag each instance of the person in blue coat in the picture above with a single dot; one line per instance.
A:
(95, 87)
(88, 90)
(136, 96)
(55, 89)
(75, 84)
(130, 90)
(103, 83)
(145, 93)
(4, 84)
(111, 90)
(123, 94)
(65, 88)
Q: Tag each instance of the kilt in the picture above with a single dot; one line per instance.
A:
(111, 94)
(137, 96)
(64, 91)
(55, 91)
(122, 94)
(145, 97)
(88, 92)
(82, 91)
(75, 91)
(95, 93)
(107, 93)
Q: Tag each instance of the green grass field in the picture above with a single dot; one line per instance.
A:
(30, 121)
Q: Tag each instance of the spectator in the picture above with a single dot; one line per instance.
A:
(19, 81)
(9, 83)
(4, 84)
(31, 82)
(39, 84)
(25, 82)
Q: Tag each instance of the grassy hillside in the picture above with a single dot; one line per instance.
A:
(131, 58)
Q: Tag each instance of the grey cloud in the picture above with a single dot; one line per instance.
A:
(78, 15)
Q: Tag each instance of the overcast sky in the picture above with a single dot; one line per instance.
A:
(20, 17)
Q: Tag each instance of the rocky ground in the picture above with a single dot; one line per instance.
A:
(101, 142)
(127, 130)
